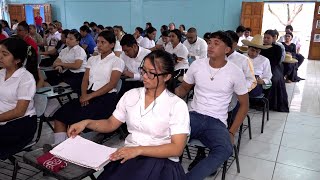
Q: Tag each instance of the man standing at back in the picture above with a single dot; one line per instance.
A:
(38, 21)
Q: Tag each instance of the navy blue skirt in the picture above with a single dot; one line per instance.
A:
(143, 168)
(100, 107)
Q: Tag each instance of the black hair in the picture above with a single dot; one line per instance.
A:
(108, 36)
(92, 24)
(24, 25)
(0, 28)
(128, 40)
(65, 32)
(32, 25)
(223, 36)
(206, 35)
(118, 27)
(22, 51)
(270, 32)
(109, 28)
(183, 26)
(149, 24)
(86, 22)
(151, 30)
(53, 25)
(166, 62)
(76, 34)
(100, 26)
(178, 33)
(290, 34)
(6, 24)
(164, 27)
(276, 32)
(248, 29)
(240, 29)
(139, 29)
(233, 35)
(165, 33)
(192, 30)
(289, 27)
(45, 24)
(85, 28)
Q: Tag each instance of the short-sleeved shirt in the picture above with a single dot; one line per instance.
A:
(38, 20)
(101, 69)
(30, 41)
(139, 39)
(60, 45)
(20, 86)
(53, 39)
(117, 47)
(37, 38)
(147, 43)
(198, 49)
(132, 64)
(70, 55)
(89, 41)
(212, 97)
(152, 126)
(182, 52)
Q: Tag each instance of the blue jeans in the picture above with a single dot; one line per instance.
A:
(214, 135)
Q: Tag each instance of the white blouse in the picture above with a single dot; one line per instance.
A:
(182, 52)
(20, 86)
(101, 69)
(70, 55)
(166, 116)
(147, 43)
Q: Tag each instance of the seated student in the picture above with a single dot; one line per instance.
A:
(275, 41)
(261, 64)
(177, 48)
(54, 36)
(35, 36)
(118, 32)
(206, 37)
(242, 61)
(2, 36)
(87, 42)
(214, 80)
(6, 27)
(18, 120)
(290, 70)
(165, 40)
(132, 56)
(71, 62)
(98, 30)
(137, 34)
(196, 46)
(54, 53)
(23, 33)
(182, 29)
(278, 97)
(148, 41)
(240, 32)
(158, 125)
(247, 34)
(98, 89)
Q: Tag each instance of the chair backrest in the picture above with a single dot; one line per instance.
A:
(40, 103)
(119, 86)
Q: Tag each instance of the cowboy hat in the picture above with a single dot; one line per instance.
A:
(257, 42)
(289, 59)
(243, 49)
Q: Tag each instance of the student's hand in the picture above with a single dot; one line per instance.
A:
(59, 68)
(125, 154)
(128, 74)
(77, 128)
(159, 46)
(84, 99)
(231, 138)
(259, 80)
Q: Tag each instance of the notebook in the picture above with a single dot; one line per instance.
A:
(83, 152)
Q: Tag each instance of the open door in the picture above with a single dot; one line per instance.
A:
(17, 12)
(252, 15)
(47, 13)
(314, 50)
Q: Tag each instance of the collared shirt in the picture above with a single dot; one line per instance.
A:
(214, 87)
(249, 38)
(139, 39)
(20, 86)
(53, 39)
(132, 64)
(101, 69)
(166, 116)
(117, 47)
(70, 55)
(262, 68)
(245, 64)
(182, 52)
(89, 41)
(198, 49)
(147, 43)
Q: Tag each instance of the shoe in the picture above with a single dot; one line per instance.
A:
(200, 155)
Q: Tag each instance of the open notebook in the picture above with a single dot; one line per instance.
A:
(83, 152)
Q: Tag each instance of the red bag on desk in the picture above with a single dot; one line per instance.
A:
(51, 162)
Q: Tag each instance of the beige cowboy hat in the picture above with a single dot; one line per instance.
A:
(257, 42)
(289, 59)
(243, 49)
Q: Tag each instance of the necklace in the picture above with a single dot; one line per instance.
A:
(212, 76)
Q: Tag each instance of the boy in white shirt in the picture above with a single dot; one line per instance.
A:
(196, 46)
(214, 80)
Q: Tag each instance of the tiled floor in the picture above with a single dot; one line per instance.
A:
(289, 148)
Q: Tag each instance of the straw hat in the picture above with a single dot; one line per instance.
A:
(257, 42)
(243, 49)
(289, 59)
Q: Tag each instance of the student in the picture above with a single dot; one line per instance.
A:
(132, 56)
(158, 125)
(214, 80)
(278, 97)
(196, 46)
(98, 89)
(182, 29)
(38, 21)
(240, 32)
(6, 27)
(177, 48)
(71, 62)
(44, 30)
(160, 42)
(35, 36)
(87, 41)
(242, 61)
(261, 64)
(206, 37)
(247, 34)
(2, 36)
(23, 33)
(99, 29)
(275, 41)
(148, 41)
(165, 40)
(172, 26)
(118, 32)
(54, 35)
(14, 25)
(138, 34)
(148, 24)
(18, 121)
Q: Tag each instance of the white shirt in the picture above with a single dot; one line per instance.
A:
(101, 69)
(198, 49)
(182, 52)
(53, 39)
(242, 62)
(160, 41)
(139, 39)
(70, 55)
(117, 47)
(262, 68)
(147, 43)
(5, 33)
(14, 27)
(249, 38)
(212, 98)
(20, 86)
(132, 64)
(166, 116)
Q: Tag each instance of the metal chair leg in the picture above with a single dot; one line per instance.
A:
(249, 126)
(267, 102)
(240, 135)
(224, 170)
(188, 152)
(236, 155)
(263, 115)
(14, 161)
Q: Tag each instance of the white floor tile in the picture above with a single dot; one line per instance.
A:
(269, 136)
(285, 172)
(301, 142)
(258, 149)
(302, 129)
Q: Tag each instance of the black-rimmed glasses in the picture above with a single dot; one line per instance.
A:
(150, 75)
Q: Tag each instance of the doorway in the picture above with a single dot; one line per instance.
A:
(298, 14)
(31, 11)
